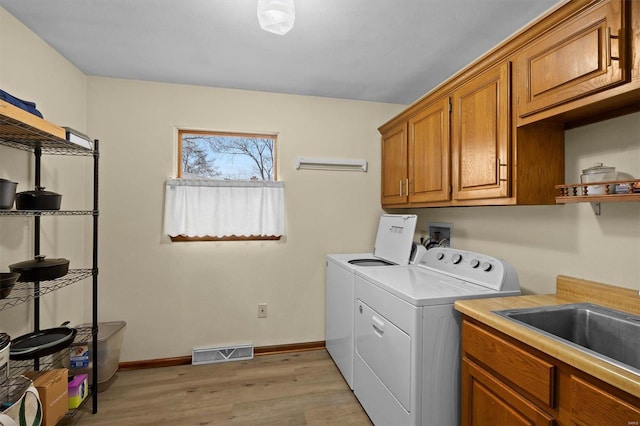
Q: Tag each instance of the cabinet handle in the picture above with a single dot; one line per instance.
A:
(407, 187)
(501, 164)
(608, 36)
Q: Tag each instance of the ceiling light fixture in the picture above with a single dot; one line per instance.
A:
(276, 16)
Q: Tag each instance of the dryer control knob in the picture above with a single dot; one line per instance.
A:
(360, 309)
(456, 258)
(475, 263)
(440, 256)
(486, 266)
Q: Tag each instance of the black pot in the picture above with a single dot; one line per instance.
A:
(7, 194)
(7, 280)
(38, 200)
(40, 269)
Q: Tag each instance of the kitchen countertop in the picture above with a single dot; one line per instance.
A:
(568, 290)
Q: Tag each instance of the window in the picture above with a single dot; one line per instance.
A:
(226, 188)
(226, 156)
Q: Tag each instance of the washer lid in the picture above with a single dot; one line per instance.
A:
(395, 238)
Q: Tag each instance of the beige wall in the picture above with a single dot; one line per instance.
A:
(30, 69)
(545, 241)
(195, 293)
(207, 293)
(178, 295)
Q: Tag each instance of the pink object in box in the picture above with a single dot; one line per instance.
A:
(78, 390)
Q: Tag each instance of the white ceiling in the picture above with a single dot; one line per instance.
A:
(377, 50)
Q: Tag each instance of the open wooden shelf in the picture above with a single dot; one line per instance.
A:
(22, 130)
(579, 192)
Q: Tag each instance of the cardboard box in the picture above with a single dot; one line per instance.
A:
(52, 387)
(78, 390)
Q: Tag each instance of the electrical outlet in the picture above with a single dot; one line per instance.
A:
(441, 232)
(262, 310)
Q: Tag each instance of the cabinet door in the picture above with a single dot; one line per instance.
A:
(429, 136)
(591, 405)
(480, 136)
(488, 401)
(579, 57)
(394, 166)
(514, 364)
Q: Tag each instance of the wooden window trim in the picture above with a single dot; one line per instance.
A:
(239, 134)
(182, 238)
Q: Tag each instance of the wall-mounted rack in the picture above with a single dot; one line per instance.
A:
(336, 164)
(579, 193)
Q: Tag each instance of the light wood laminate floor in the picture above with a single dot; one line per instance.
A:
(303, 388)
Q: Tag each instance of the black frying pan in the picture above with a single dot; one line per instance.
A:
(41, 343)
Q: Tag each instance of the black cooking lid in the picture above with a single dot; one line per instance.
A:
(38, 262)
(39, 191)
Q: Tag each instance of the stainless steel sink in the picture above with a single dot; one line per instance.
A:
(607, 334)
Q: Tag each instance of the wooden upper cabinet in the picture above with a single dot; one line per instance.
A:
(584, 55)
(578, 64)
(429, 160)
(481, 136)
(394, 166)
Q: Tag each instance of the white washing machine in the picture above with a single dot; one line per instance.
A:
(407, 334)
(393, 247)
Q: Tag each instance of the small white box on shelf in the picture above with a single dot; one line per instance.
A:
(78, 138)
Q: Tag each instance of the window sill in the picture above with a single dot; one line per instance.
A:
(182, 239)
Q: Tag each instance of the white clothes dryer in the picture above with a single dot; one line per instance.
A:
(407, 334)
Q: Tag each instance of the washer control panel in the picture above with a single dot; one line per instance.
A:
(477, 268)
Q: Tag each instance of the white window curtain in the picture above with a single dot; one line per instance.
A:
(202, 207)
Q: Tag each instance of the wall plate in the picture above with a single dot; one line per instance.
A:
(441, 232)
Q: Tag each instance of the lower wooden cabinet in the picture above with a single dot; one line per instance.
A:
(512, 362)
(505, 382)
(591, 405)
(488, 401)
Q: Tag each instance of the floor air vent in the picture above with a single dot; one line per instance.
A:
(229, 353)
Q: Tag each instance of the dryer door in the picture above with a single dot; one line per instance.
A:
(386, 349)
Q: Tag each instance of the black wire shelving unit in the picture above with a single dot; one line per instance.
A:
(17, 134)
